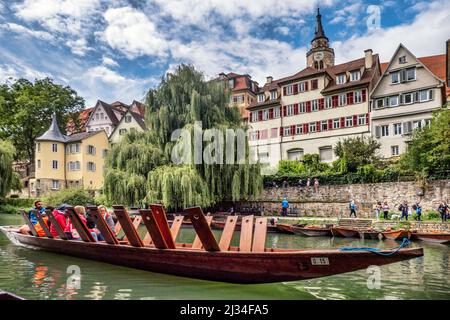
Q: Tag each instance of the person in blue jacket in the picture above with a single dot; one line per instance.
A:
(284, 207)
(37, 206)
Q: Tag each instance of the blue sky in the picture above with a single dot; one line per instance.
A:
(118, 49)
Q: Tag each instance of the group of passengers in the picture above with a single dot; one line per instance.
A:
(65, 222)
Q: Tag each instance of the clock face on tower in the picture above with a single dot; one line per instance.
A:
(318, 56)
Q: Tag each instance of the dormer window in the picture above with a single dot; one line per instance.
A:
(355, 75)
(340, 79)
(395, 77)
(402, 60)
(261, 97)
(273, 95)
(411, 74)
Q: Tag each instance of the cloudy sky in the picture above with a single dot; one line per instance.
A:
(118, 49)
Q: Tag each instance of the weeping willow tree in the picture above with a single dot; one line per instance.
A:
(141, 168)
(7, 177)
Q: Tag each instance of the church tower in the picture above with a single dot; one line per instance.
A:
(320, 55)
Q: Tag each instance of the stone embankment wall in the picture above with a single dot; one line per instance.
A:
(333, 200)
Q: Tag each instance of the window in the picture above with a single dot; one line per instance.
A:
(393, 101)
(395, 150)
(263, 157)
(127, 119)
(287, 131)
(97, 116)
(276, 112)
(427, 122)
(55, 164)
(402, 60)
(314, 84)
(417, 124)
(254, 135)
(290, 110)
(91, 150)
(324, 125)
(54, 147)
(411, 74)
(91, 166)
(408, 98)
(38, 147)
(328, 103)
(326, 153)
(105, 153)
(74, 165)
(266, 114)
(55, 184)
(299, 129)
(355, 75)
(380, 103)
(261, 97)
(336, 123)
(424, 95)
(289, 90)
(342, 99)
(385, 131)
(102, 116)
(397, 129)
(357, 97)
(273, 95)
(39, 164)
(340, 79)
(254, 116)
(361, 119)
(274, 132)
(348, 122)
(315, 105)
(295, 154)
(395, 77)
(312, 127)
(302, 86)
(263, 134)
(231, 83)
(302, 107)
(73, 148)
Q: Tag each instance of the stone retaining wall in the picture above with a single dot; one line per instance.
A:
(332, 200)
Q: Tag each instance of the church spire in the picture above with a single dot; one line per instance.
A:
(53, 133)
(319, 33)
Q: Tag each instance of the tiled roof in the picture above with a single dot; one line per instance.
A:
(308, 71)
(139, 119)
(81, 136)
(83, 117)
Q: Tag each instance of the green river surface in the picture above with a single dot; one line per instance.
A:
(36, 274)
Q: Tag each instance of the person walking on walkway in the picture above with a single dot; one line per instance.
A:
(378, 208)
(443, 210)
(418, 208)
(284, 207)
(308, 184)
(404, 208)
(316, 185)
(352, 207)
(385, 208)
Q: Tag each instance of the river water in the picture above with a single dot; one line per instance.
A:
(35, 274)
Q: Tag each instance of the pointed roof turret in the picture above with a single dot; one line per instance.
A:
(53, 133)
(319, 33)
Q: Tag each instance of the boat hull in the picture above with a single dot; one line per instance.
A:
(432, 237)
(345, 232)
(397, 235)
(312, 232)
(284, 228)
(229, 266)
(375, 235)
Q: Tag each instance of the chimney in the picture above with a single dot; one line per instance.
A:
(448, 63)
(368, 58)
(269, 80)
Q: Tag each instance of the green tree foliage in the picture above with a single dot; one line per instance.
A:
(7, 152)
(140, 169)
(356, 152)
(27, 108)
(429, 150)
(73, 196)
(310, 164)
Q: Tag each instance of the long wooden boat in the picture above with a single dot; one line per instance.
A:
(369, 234)
(345, 232)
(220, 225)
(7, 296)
(397, 234)
(205, 258)
(435, 237)
(287, 228)
(312, 231)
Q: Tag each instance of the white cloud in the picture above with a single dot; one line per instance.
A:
(131, 32)
(109, 62)
(79, 46)
(349, 14)
(24, 31)
(282, 30)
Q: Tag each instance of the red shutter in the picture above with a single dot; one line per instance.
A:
(318, 128)
(295, 88)
(284, 91)
(334, 101)
(349, 97)
(330, 124)
(308, 106)
(296, 109)
(271, 113)
(321, 103)
(342, 122)
(281, 131)
(293, 130)
(260, 115)
(305, 128)
(367, 119)
(355, 120)
(364, 95)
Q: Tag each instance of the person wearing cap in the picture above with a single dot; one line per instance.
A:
(59, 215)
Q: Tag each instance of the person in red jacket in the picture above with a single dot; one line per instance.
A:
(61, 218)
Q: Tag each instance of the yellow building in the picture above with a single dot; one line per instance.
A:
(69, 161)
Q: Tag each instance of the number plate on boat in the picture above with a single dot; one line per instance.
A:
(320, 261)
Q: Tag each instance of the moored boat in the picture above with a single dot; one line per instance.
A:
(312, 231)
(345, 232)
(285, 228)
(369, 234)
(397, 234)
(434, 236)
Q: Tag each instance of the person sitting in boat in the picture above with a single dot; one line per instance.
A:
(92, 226)
(60, 216)
(37, 206)
(108, 217)
(71, 232)
(284, 207)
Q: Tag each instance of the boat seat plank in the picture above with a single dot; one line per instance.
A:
(82, 229)
(160, 217)
(153, 229)
(136, 222)
(245, 242)
(227, 234)
(56, 224)
(29, 224)
(147, 239)
(127, 226)
(176, 226)
(259, 237)
(101, 224)
(201, 225)
(42, 223)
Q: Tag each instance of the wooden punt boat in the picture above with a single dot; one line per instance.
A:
(220, 225)
(287, 228)
(6, 296)
(396, 234)
(345, 232)
(369, 234)
(312, 231)
(251, 262)
(434, 236)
